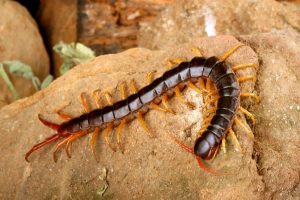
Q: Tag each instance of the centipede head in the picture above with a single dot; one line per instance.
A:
(50, 139)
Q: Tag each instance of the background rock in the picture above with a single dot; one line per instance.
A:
(149, 168)
(278, 130)
(20, 40)
(184, 20)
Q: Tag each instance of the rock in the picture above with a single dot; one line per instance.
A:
(20, 40)
(183, 21)
(149, 168)
(58, 22)
(278, 131)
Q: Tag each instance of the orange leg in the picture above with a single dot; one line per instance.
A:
(119, 132)
(58, 146)
(241, 124)
(181, 98)
(92, 141)
(255, 96)
(71, 139)
(107, 133)
(164, 100)
(141, 120)
(243, 66)
(246, 78)
(230, 52)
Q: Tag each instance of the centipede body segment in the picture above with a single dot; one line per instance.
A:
(186, 73)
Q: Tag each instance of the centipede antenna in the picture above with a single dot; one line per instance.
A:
(48, 124)
(199, 159)
(40, 145)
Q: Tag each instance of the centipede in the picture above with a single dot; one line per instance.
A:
(220, 111)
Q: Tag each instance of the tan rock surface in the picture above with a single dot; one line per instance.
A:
(186, 19)
(20, 40)
(158, 168)
(278, 130)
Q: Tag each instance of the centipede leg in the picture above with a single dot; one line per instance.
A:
(71, 139)
(181, 98)
(246, 78)
(107, 132)
(223, 144)
(143, 123)
(243, 66)
(197, 51)
(58, 146)
(250, 115)
(119, 132)
(92, 141)
(149, 76)
(255, 96)
(164, 100)
(123, 90)
(230, 52)
(236, 141)
(194, 87)
(132, 86)
(84, 102)
(108, 97)
(241, 124)
(171, 62)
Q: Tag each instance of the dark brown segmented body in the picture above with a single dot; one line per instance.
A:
(219, 72)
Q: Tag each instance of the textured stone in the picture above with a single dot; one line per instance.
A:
(20, 40)
(149, 168)
(184, 20)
